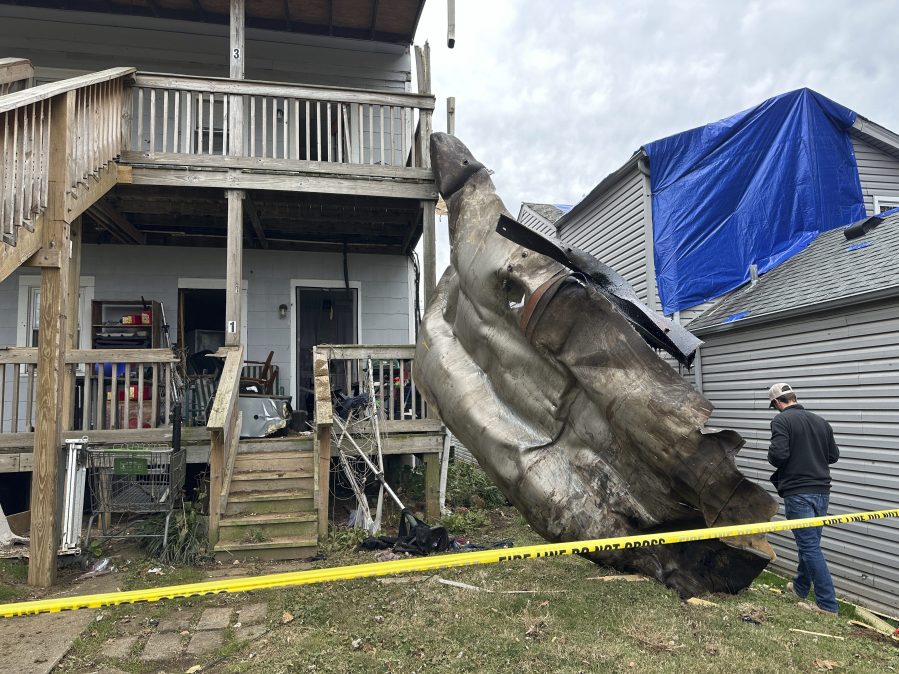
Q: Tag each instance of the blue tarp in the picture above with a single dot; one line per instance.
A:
(755, 188)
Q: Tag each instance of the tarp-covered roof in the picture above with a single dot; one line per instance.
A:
(752, 189)
(832, 269)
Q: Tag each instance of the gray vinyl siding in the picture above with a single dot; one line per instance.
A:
(612, 230)
(536, 222)
(877, 171)
(845, 367)
(132, 272)
(88, 41)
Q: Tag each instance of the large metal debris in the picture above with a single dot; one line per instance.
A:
(545, 372)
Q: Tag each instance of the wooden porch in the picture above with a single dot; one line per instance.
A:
(91, 156)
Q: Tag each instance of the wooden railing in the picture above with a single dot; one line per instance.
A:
(80, 119)
(190, 116)
(224, 426)
(15, 75)
(115, 389)
(401, 407)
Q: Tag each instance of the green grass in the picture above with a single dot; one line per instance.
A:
(13, 576)
(565, 621)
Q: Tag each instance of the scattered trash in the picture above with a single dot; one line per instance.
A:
(627, 577)
(194, 669)
(238, 625)
(753, 614)
(286, 617)
(402, 580)
(99, 568)
(463, 586)
(826, 664)
(696, 601)
(156, 571)
(881, 626)
(817, 634)
(387, 556)
(357, 644)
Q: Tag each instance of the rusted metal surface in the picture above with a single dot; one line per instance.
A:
(545, 372)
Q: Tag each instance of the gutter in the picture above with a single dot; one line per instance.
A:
(804, 310)
(876, 132)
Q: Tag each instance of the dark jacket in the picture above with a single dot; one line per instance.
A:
(802, 449)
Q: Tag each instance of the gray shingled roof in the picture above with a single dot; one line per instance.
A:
(548, 211)
(830, 270)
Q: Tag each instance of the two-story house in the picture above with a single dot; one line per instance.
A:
(258, 171)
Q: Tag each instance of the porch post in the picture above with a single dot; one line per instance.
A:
(71, 341)
(45, 525)
(234, 274)
(429, 245)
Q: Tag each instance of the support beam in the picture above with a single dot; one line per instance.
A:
(234, 272)
(45, 505)
(237, 66)
(450, 25)
(256, 222)
(451, 115)
(432, 487)
(429, 249)
(236, 57)
(72, 297)
(116, 223)
(429, 263)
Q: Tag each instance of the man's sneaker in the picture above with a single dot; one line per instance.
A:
(809, 606)
(792, 590)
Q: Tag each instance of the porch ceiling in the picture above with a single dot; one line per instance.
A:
(393, 21)
(287, 221)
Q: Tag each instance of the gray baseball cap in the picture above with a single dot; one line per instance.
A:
(777, 391)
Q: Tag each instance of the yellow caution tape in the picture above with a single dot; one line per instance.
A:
(297, 578)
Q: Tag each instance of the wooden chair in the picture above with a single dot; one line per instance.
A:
(259, 377)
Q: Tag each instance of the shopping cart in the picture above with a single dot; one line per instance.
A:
(134, 479)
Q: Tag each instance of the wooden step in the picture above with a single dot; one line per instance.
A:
(265, 480)
(268, 526)
(261, 502)
(263, 445)
(273, 461)
(288, 547)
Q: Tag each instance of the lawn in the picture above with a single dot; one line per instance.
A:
(553, 614)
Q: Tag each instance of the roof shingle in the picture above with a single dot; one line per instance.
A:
(830, 269)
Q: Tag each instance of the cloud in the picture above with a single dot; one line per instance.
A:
(554, 96)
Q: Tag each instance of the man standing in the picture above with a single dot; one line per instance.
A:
(802, 449)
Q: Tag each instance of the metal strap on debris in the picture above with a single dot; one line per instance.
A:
(417, 564)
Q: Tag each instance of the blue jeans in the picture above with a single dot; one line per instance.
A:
(812, 568)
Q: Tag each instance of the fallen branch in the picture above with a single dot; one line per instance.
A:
(628, 577)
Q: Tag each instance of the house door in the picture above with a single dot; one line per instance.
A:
(324, 316)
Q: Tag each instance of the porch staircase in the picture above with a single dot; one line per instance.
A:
(271, 511)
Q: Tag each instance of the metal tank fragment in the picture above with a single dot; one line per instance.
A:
(543, 362)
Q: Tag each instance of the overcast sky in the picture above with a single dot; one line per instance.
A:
(553, 96)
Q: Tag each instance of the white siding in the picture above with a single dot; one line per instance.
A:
(130, 272)
(536, 222)
(877, 171)
(612, 230)
(845, 367)
(91, 41)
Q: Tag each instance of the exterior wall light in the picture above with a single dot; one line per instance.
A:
(282, 311)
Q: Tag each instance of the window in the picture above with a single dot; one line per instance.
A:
(885, 203)
(30, 311)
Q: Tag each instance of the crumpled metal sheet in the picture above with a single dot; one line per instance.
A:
(549, 376)
(262, 415)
